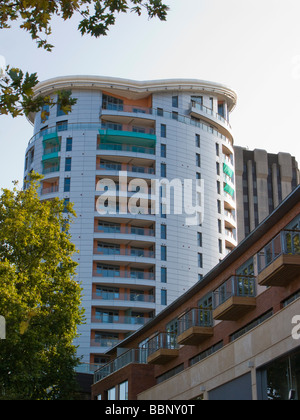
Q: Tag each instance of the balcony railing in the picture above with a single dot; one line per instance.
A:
(98, 126)
(234, 298)
(120, 319)
(239, 286)
(51, 169)
(162, 348)
(126, 148)
(90, 368)
(51, 150)
(131, 356)
(131, 275)
(127, 108)
(162, 341)
(195, 318)
(104, 342)
(126, 297)
(128, 128)
(279, 260)
(50, 190)
(210, 112)
(126, 230)
(145, 253)
(195, 326)
(286, 242)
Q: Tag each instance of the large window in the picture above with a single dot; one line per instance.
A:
(119, 392)
(111, 103)
(123, 391)
(280, 380)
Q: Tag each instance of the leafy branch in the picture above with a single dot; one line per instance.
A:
(17, 95)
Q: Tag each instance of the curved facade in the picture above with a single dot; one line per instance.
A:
(172, 132)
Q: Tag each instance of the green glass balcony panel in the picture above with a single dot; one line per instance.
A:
(227, 170)
(50, 156)
(51, 138)
(127, 137)
(229, 190)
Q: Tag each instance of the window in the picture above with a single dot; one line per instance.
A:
(62, 125)
(219, 226)
(163, 130)
(69, 144)
(170, 374)
(198, 99)
(200, 260)
(67, 185)
(198, 160)
(221, 109)
(163, 275)
(163, 211)
(211, 101)
(219, 206)
(200, 277)
(197, 140)
(175, 101)
(111, 394)
(279, 380)
(163, 151)
(206, 353)
(220, 246)
(45, 113)
(68, 165)
(217, 149)
(218, 168)
(163, 170)
(111, 103)
(123, 391)
(218, 187)
(163, 232)
(60, 112)
(199, 239)
(164, 297)
(175, 115)
(246, 269)
(66, 203)
(163, 253)
(160, 112)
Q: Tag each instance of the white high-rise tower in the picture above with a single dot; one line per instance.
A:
(132, 265)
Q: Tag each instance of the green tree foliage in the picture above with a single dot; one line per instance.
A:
(39, 298)
(35, 16)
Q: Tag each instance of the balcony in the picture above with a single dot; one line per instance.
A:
(132, 296)
(162, 348)
(117, 250)
(117, 272)
(49, 169)
(51, 153)
(138, 356)
(105, 318)
(122, 229)
(234, 298)
(50, 186)
(126, 148)
(279, 260)
(115, 166)
(195, 326)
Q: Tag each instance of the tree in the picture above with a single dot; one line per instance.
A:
(39, 297)
(97, 16)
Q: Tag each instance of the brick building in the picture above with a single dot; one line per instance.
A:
(234, 335)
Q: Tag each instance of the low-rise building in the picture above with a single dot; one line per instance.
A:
(234, 335)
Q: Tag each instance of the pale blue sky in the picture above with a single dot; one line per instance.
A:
(252, 46)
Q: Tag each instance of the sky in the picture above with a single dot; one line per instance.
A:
(252, 46)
